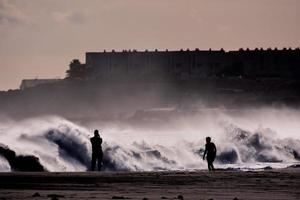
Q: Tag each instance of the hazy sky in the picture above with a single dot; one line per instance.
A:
(38, 38)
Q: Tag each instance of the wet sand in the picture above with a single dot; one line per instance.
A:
(268, 184)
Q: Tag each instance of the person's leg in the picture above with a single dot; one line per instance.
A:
(93, 162)
(208, 164)
(99, 158)
(212, 166)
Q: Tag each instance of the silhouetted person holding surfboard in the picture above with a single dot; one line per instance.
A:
(211, 152)
(97, 154)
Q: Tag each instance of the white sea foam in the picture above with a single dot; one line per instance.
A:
(248, 140)
(4, 165)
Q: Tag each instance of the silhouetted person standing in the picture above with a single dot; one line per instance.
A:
(97, 154)
(211, 152)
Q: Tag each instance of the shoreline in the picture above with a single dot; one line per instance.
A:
(220, 184)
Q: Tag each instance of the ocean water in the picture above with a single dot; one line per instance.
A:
(246, 140)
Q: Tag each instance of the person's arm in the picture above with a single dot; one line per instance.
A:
(215, 149)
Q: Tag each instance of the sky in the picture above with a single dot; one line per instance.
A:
(39, 38)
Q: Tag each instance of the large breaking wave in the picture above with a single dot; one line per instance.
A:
(52, 143)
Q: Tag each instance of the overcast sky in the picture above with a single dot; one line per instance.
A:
(38, 38)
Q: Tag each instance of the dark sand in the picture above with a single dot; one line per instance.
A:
(269, 184)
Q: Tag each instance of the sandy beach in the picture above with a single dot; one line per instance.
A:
(267, 184)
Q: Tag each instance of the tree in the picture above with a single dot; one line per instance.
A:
(76, 70)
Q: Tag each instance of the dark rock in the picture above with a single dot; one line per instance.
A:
(180, 197)
(296, 155)
(294, 166)
(36, 194)
(55, 196)
(120, 197)
(27, 163)
(268, 168)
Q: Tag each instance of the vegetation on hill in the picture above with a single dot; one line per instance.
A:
(77, 70)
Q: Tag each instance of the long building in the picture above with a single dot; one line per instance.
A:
(29, 83)
(194, 64)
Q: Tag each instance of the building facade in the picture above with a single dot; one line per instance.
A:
(187, 64)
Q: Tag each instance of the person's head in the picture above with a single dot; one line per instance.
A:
(208, 139)
(96, 133)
